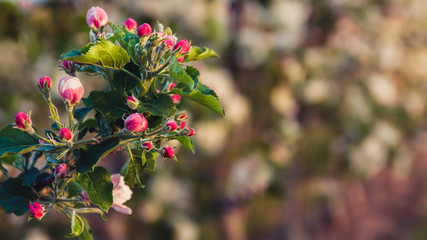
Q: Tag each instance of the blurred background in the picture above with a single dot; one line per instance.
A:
(325, 131)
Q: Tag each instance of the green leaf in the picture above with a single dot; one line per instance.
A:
(109, 104)
(102, 53)
(29, 176)
(73, 188)
(80, 113)
(14, 141)
(87, 231)
(187, 142)
(179, 74)
(134, 169)
(202, 95)
(149, 160)
(194, 74)
(15, 197)
(98, 187)
(91, 154)
(122, 80)
(197, 53)
(77, 225)
(161, 106)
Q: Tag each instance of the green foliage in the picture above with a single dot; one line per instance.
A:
(87, 231)
(202, 95)
(160, 106)
(15, 196)
(98, 187)
(187, 142)
(109, 104)
(149, 160)
(102, 53)
(15, 141)
(77, 225)
(179, 74)
(134, 168)
(91, 154)
(197, 53)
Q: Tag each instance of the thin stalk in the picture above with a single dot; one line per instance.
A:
(131, 74)
(70, 115)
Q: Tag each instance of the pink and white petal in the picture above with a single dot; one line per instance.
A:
(122, 209)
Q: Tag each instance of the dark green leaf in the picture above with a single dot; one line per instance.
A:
(122, 80)
(91, 154)
(187, 142)
(29, 176)
(202, 95)
(87, 231)
(109, 104)
(15, 197)
(134, 169)
(98, 187)
(77, 225)
(150, 160)
(102, 53)
(179, 74)
(73, 189)
(80, 113)
(197, 53)
(14, 141)
(194, 74)
(161, 106)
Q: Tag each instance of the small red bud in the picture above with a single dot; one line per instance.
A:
(132, 102)
(176, 98)
(168, 152)
(191, 132)
(148, 145)
(136, 122)
(182, 125)
(36, 210)
(45, 84)
(184, 45)
(71, 89)
(61, 170)
(172, 125)
(143, 30)
(130, 24)
(96, 17)
(65, 134)
(22, 120)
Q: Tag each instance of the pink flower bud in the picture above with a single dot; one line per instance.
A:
(132, 102)
(68, 65)
(45, 83)
(169, 41)
(160, 35)
(65, 134)
(191, 132)
(71, 89)
(143, 30)
(61, 170)
(184, 45)
(172, 125)
(136, 122)
(85, 196)
(96, 17)
(22, 120)
(182, 125)
(130, 24)
(36, 210)
(182, 117)
(176, 98)
(148, 145)
(100, 35)
(168, 152)
(172, 85)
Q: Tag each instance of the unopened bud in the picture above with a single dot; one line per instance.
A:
(96, 17)
(168, 152)
(130, 24)
(36, 210)
(136, 122)
(172, 125)
(148, 145)
(144, 29)
(61, 170)
(65, 134)
(132, 102)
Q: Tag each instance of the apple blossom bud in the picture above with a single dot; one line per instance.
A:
(168, 152)
(100, 36)
(176, 98)
(182, 125)
(69, 67)
(22, 121)
(169, 41)
(96, 17)
(184, 45)
(143, 30)
(148, 145)
(191, 132)
(172, 85)
(65, 134)
(45, 84)
(71, 90)
(136, 122)
(61, 170)
(172, 125)
(85, 196)
(132, 102)
(36, 210)
(130, 24)
(160, 35)
(182, 117)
